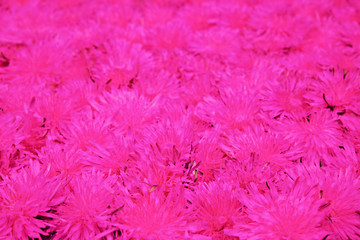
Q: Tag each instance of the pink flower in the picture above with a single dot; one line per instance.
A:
(175, 36)
(11, 135)
(230, 110)
(128, 111)
(337, 89)
(217, 42)
(155, 216)
(303, 64)
(56, 110)
(199, 17)
(351, 124)
(330, 57)
(114, 157)
(88, 129)
(215, 207)
(60, 159)
(318, 37)
(81, 94)
(152, 173)
(345, 156)
(259, 73)
(257, 155)
(153, 14)
(297, 214)
(315, 134)
(341, 190)
(285, 95)
(159, 83)
(35, 63)
(234, 14)
(16, 99)
(197, 78)
(88, 207)
(163, 156)
(274, 27)
(35, 133)
(27, 20)
(119, 13)
(27, 197)
(251, 170)
(350, 42)
(269, 147)
(120, 64)
(179, 119)
(208, 157)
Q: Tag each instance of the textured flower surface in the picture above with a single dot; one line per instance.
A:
(269, 147)
(179, 119)
(36, 63)
(338, 90)
(26, 199)
(285, 96)
(340, 191)
(297, 214)
(316, 134)
(215, 206)
(233, 109)
(87, 209)
(155, 216)
(120, 64)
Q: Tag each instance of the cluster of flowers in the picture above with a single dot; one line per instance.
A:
(180, 119)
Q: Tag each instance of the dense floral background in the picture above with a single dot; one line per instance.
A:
(175, 119)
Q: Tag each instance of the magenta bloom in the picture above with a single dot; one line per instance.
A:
(215, 207)
(155, 216)
(179, 119)
(297, 214)
(87, 209)
(27, 198)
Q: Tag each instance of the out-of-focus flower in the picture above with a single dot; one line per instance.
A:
(274, 27)
(217, 42)
(174, 36)
(200, 16)
(35, 63)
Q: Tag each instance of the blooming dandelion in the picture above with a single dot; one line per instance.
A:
(179, 119)
(215, 206)
(24, 213)
(155, 216)
(282, 215)
(88, 207)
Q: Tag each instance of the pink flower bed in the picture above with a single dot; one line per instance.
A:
(175, 119)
